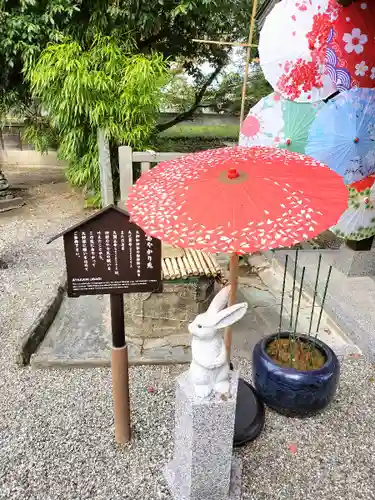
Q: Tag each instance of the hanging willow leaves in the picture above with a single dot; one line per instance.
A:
(106, 86)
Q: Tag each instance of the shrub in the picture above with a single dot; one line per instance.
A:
(105, 87)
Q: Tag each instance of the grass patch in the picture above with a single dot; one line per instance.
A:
(225, 131)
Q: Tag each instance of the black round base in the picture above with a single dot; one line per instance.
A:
(250, 415)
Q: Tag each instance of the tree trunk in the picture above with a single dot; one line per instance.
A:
(197, 101)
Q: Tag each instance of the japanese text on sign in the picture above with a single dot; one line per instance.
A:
(92, 249)
(84, 251)
(130, 245)
(115, 249)
(111, 255)
(108, 251)
(149, 252)
(100, 245)
(138, 253)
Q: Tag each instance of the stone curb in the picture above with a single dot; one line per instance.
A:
(103, 363)
(37, 331)
(10, 204)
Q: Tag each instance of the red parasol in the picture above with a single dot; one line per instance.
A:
(237, 200)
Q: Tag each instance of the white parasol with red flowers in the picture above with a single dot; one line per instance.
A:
(292, 49)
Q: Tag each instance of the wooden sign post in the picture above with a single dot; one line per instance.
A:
(120, 370)
(108, 254)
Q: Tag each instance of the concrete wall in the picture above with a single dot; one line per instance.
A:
(29, 158)
(15, 152)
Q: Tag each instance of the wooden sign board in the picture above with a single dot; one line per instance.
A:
(108, 254)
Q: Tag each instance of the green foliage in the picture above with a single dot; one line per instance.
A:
(38, 132)
(167, 26)
(227, 95)
(224, 96)
(27, 26)
(189, 138)
(77, 31)
(187, 144)
(106, 87)
(184, 130)
(179, 95)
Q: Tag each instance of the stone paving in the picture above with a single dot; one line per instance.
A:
(350, 300)
(80, 334)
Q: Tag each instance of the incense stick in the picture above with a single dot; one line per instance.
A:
(323, 299)
(293, 290)
(283, 292)
(299, 299)
(315, 292)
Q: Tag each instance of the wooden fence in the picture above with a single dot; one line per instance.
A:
(127, 157)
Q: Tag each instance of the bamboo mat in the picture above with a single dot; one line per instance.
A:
(189, 263)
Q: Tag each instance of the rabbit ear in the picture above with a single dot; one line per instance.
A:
(220, 300)
(229, 315)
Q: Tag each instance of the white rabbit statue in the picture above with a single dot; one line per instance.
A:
(209, 369)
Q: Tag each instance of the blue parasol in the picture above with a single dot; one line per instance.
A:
(343, 134)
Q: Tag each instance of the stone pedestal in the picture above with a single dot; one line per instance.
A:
(355, 262)
(203, 467)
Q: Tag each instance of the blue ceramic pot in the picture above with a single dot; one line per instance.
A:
(293, 392)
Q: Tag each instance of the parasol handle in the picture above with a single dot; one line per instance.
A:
(232, 299)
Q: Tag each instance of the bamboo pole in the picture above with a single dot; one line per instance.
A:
(209, 263)
(198, 265)
(182, 267)
(165, 270)
(247, 60)
(187, 265)
(176, 269)
(203, 263)
(191, 262)
(171, 272)
(233, 281)
(214, 263)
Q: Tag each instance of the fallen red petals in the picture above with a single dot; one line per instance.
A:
(292, 447)
(355, 355)
(150, 390)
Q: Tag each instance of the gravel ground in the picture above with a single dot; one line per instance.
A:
(56, 427)
(57, 440)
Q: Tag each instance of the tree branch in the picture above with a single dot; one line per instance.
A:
(157, 37)
(197, 101)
